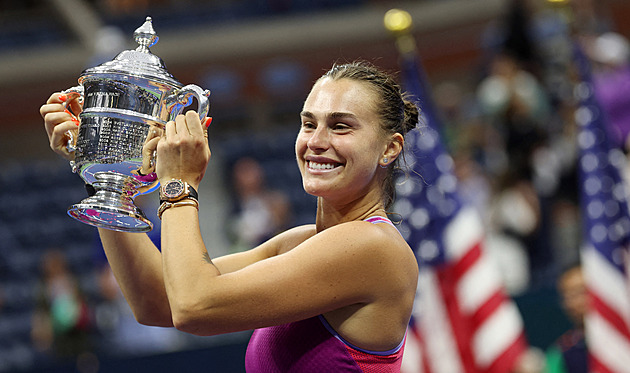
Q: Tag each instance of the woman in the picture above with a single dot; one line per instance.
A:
(333, 296)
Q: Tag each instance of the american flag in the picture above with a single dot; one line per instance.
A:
(462, 320)
(606, 223)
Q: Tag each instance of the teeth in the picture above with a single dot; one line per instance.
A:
(321, 166)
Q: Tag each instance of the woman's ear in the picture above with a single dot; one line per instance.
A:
(394, 147)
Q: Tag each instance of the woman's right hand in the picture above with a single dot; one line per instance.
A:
(58, 120)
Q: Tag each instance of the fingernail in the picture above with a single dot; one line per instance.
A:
(63, 98)
(76, 121)
(208, 121)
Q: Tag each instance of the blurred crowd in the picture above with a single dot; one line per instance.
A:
(513, 140)
(513, 137)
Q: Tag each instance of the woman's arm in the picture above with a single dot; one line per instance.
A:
(137, 266)
(353, 263)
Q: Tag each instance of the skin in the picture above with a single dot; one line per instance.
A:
(361, 276)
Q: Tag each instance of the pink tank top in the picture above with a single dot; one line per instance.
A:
(312, 345)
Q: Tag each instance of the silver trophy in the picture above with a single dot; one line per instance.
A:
(126, 102)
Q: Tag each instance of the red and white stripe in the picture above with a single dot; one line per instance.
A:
(607, 322)
(464, 322)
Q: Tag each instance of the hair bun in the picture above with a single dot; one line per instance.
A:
(412, 114)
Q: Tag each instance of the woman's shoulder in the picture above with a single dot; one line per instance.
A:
(377, 253)
(380, 240)
(379, 232)
(291, 238)
(360, 240)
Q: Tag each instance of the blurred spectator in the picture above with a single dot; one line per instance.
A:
(569, 353)
(515, 222)
(261, 213)
(515, 101)
(62, 323)
(610, 53)
(517, 105)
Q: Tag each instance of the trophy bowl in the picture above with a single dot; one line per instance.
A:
(126, 102)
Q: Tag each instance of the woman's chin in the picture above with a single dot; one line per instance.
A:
(314, 188)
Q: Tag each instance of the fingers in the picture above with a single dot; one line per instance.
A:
(56, 118)
(61, 125)
(170, 130)
(148, 153)
(188, 124)
(150, 147)
(56, 98)
(54, 112)
(60, 136)
(194, 125)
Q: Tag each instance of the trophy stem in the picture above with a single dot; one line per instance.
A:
(112, 206)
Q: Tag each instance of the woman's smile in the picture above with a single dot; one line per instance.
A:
(321, 164)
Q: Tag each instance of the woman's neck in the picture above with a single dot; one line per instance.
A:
(330, 214)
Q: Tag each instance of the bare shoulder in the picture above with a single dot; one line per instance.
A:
(373, 238)
(291, 238)
(378, 248)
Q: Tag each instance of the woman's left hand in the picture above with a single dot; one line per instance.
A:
(183, 151)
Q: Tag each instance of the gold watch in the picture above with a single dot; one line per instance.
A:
(176, 190)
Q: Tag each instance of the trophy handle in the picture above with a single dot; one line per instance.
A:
(74, 93)
(177, 101)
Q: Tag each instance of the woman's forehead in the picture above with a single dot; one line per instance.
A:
(340, 95)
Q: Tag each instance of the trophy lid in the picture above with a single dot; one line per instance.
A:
(140, 62)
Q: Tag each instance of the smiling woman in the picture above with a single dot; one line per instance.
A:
(333, 296)
(365, 91)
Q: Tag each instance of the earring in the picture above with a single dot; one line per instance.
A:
(384, 165)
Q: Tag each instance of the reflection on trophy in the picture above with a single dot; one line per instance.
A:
(126, 102)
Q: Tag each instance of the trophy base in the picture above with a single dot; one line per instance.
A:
(112, 206)
(120, 218)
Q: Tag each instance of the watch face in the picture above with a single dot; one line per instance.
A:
(173, 189)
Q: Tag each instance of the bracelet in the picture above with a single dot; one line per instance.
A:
(185, 202)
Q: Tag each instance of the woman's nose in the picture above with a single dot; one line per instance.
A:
(319, 138)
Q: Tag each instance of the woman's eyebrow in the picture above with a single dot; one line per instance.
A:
(333, 115)
(341, 115)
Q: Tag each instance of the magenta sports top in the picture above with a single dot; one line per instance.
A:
(312, 345)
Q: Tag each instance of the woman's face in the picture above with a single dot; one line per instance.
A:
(340, 141)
